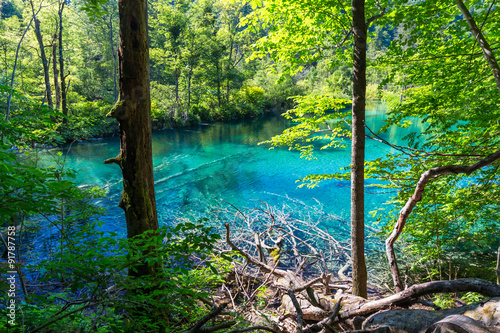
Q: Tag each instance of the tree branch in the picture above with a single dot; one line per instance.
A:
(483, 43)
(405, 212)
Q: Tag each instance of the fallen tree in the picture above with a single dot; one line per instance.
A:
(411, 295)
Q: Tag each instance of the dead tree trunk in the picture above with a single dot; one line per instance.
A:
(133, 112)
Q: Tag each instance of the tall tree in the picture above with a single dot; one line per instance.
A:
(133, 112)
(359, 274)
(305, 32)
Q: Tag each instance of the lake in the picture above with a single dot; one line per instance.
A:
(196, 168)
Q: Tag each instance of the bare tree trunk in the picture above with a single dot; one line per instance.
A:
(45, 63)
(359, 274)
(133, 112)
(64, 89)
(425, 178)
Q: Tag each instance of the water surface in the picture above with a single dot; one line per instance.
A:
(196, 168)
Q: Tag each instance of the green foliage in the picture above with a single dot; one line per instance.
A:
(428, 60)
(92, 261)
(319, 123)
(472, 297)
(456, 222)
(444, 301)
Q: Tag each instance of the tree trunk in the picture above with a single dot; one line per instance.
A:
(217, 66)
(229, 65)
(133, 112)
(176, 76)
(64, 89)
(56, 73)
(113, 52)
(45, 63)
(190, 75)
(405, 212)
(359, 274)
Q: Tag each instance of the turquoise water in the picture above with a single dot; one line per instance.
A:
(196, 168)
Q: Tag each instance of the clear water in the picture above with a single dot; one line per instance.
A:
(196, 168)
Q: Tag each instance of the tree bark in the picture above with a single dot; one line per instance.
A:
(359, 274)
(425, 178)
(133, 112)
(483, 43)
(64, 89)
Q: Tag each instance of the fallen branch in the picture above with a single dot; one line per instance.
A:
(253, 328)
(325, 323)
(212, 314)
(300, 315)
(252, 260)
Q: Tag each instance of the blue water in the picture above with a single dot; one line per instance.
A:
(196, 168)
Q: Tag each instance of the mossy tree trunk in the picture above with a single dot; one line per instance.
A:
(133, 112)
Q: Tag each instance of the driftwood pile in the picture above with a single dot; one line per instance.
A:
(282, 283)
